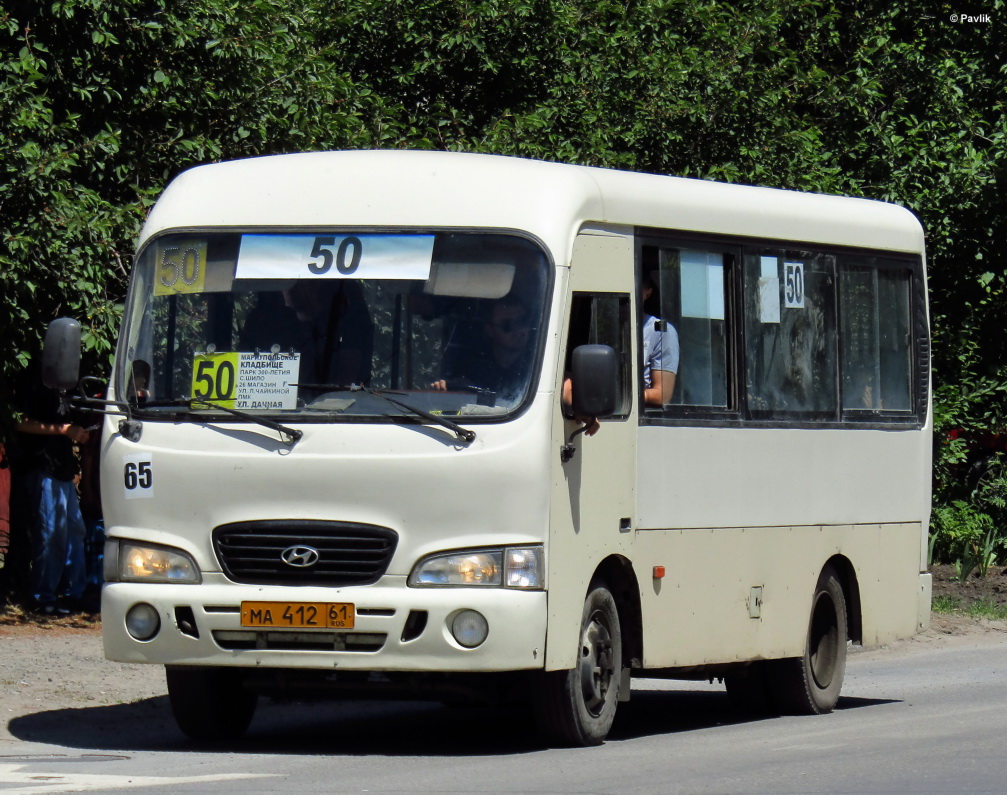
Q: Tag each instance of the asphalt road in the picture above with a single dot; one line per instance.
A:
(924, 716)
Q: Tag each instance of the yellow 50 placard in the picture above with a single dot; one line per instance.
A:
(215, 377)
(180, 267)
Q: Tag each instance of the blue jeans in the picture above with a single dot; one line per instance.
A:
(57, 539)
(94, 552)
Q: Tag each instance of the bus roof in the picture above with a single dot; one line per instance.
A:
(423, 189)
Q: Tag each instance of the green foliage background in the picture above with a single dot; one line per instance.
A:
(103, 101)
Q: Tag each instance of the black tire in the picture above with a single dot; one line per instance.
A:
(810, 685)
(748, 689)
(210, 704)
(577, 707)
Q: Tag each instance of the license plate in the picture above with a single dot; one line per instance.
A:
(298, 615)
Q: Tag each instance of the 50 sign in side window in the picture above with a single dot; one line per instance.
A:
(793, 285)
(138, 475)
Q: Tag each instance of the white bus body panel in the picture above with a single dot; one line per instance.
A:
(704, 602)
(726, 477)
(415, 479)
(548, 200)
(718, 508)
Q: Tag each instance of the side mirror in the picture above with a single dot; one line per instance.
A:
(594, 370)
(61, 354)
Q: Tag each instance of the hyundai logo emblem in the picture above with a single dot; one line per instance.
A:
(299, 556)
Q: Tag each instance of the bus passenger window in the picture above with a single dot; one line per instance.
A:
(689, 297)
(790, 333)
(876, 331)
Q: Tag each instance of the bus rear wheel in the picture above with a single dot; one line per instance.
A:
(577, 707)
(810, 685)
(209, 704)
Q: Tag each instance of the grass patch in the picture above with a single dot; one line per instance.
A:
(979, 608)
(946, 604)
(986, 608)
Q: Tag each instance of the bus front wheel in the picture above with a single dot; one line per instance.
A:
(577, 707)
(209, 704)
(810, 685)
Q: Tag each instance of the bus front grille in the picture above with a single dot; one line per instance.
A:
(303, 552)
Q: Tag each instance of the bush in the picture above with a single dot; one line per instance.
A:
(966, 537)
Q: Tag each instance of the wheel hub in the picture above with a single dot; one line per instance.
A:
(823, 642)
(596, 671)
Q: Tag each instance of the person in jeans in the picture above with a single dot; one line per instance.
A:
(47, 437)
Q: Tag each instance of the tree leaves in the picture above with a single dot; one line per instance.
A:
(103, 101)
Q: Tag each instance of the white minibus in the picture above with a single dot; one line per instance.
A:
(500, 431)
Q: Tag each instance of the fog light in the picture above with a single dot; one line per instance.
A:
(142, 621)
(469, 628)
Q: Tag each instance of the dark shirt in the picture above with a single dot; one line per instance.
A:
(480, 369)
(47, 453)
(336, 347)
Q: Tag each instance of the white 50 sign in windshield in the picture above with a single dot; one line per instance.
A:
(335, 256)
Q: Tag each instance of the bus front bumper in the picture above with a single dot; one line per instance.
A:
(396, 628)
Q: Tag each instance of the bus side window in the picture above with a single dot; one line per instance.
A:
(690, 296)
(603, 319)
(790, 333)
(876, 324)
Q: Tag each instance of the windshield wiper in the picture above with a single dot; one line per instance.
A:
(293, 434)
(464, 434)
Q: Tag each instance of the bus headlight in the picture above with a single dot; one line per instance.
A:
(138, 562)
(508, 567)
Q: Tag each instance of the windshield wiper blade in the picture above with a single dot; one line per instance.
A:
(293, 434)
(464, 434)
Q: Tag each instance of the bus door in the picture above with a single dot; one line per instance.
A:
(594, 505)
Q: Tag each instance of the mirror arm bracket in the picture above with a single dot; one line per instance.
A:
(567, 451)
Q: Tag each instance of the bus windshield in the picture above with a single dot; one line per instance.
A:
(317, 325)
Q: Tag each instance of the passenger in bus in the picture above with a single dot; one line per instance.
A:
(337, 330)
(272, 322)
(660, 354)
(138, 387)
(500, 363)
(800, 373)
